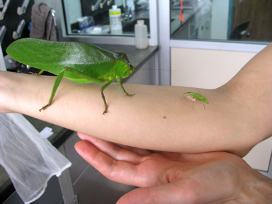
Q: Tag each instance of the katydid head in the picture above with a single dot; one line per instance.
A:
(123, 67)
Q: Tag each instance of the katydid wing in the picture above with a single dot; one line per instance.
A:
(77, 61)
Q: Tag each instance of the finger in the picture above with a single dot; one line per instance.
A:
(113, 150)
(142, 152)
(139, 151)
(168, 193)
(84, 136)
(119, 171)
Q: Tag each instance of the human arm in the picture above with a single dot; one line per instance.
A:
(159, 118)
(79, 107)
(165, 177)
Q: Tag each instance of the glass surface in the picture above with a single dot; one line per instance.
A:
(91, 17)
(222, 20)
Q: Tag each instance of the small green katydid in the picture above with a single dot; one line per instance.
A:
(196, 97)
(77, 61)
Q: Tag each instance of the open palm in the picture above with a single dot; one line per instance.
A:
(165, 177)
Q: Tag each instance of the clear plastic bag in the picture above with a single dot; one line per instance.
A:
(29, 160)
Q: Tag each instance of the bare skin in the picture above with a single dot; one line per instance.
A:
(167, 177)
(158, 118)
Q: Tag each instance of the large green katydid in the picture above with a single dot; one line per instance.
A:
(77, 61)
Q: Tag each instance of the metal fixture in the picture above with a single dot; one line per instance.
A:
(102, 4)
(2, 33)
(21, 10)
(94, 7)
(109, 2)
(127, 15)
(2, 13)
(17, 34)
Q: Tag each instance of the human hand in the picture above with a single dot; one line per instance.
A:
(165, 177)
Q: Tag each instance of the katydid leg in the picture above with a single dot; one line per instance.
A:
(61, 75)
(83, 75)
(37, 74)
(55, 87)
(41, 72)
(92, 79)
(123, 89)
(103, 96)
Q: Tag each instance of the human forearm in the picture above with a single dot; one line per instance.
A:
(161, 118)
(155, 118)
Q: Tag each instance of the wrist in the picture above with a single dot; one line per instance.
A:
(12, 88)
(5, 92)
(258, 191)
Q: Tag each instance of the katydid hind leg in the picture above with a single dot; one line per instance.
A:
(55, 87)
(42, 70)
(95, 80)
(83, 75)
(37, 74)
(204, 105)
(103, 96)
(123, 89)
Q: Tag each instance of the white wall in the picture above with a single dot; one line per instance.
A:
(219, 19)
(73, 9)
(205, 68)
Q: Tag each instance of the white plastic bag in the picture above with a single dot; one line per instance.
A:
(29, 160)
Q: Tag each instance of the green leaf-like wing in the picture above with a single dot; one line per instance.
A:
(54, 56)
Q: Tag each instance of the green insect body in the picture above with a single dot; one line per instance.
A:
(196, 97)
(77, 61)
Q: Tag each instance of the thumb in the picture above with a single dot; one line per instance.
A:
(167, 193)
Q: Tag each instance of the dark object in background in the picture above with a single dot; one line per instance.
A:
(43, 22)
(239, 31)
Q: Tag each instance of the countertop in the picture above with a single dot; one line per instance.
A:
(137, 58)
